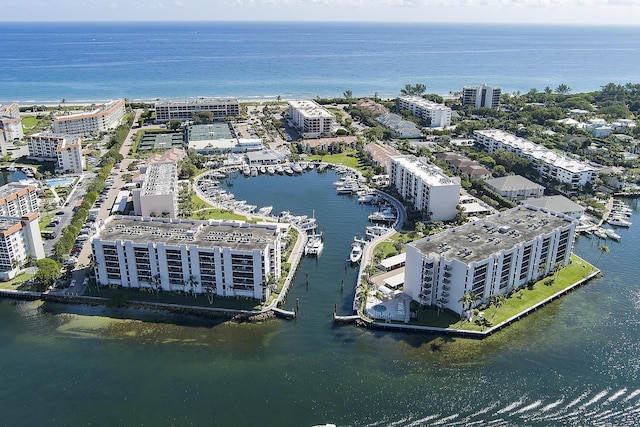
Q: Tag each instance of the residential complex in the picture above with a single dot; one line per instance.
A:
(437, 115)
(102, 119)
(550, 164)
(220, 108)
(212, 257)
(65, 150)
(17, 200)
(490, 256)
(481, 96)
(19, 239)
(310, 118)
(10, 124)
(158, 192)
(425, 186)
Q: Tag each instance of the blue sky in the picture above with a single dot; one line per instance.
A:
(596, 12)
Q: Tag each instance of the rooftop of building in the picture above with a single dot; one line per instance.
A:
(196, 102)
(206, 234)
(310, 109)
(424, 103)
(160, 178)
(14, 189)
(100, 110)
(555, 203)
(478, 240)
(513, 183)
(538, 152)
(428, 173)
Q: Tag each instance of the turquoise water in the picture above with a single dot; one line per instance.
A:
(57, 182)
(85, 62)
(574, 362)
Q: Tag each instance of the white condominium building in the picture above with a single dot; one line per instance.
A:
(481, 96)
(488, 257)
(212, 257)
(65, 150)
(10, 123)
(438, 115)
(102, 119)
(310, 118)
(158, 192)
(19, 238)
(17, 200)
(425, 186)
(186, 109)
(551, 165)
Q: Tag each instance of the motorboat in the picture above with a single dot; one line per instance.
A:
(612, 234)
(246, 170)
(600, 233)
(262, 170)
(619, 222)
(288, 170)
(348, 188)
(356, 251)
(366, 198)
(314, 245)
(279, 169)
(376, 230)
(295, 167)
(271, 170)
(386, 214)
(265, 211)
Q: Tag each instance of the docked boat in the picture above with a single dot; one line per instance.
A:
(366, 198)
(246, 170)
(348, 188)
(307, 224)
(265, 211)
(314, 245)
(600, 233)
(295, 167)
(322, 167)
(271, 170)
(356, 251)
(386, 214)
(376, 230)
(253, 171)
(279, 169)
(619, 222)
(262, 170)
(311, 166)
(612, 234)
(288, 170)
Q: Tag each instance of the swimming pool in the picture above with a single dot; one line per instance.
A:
(63, 182)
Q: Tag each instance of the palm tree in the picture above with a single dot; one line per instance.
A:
(440, 302)
(466, 299)
(604, 249)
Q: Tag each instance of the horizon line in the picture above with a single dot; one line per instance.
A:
(290, 21)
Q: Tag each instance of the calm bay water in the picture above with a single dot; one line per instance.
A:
(575, 362)
(86, 62)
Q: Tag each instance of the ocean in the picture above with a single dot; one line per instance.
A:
(89, 62)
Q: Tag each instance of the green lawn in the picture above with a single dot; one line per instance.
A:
(346, 159)
(517, 303)
(17, 282)
(144, 295)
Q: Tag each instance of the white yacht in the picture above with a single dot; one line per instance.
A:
(295, 167)
(356, 251)
(314, 245)
(612, 234)
(619, 222)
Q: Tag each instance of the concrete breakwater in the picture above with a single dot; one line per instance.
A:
(206, 312)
